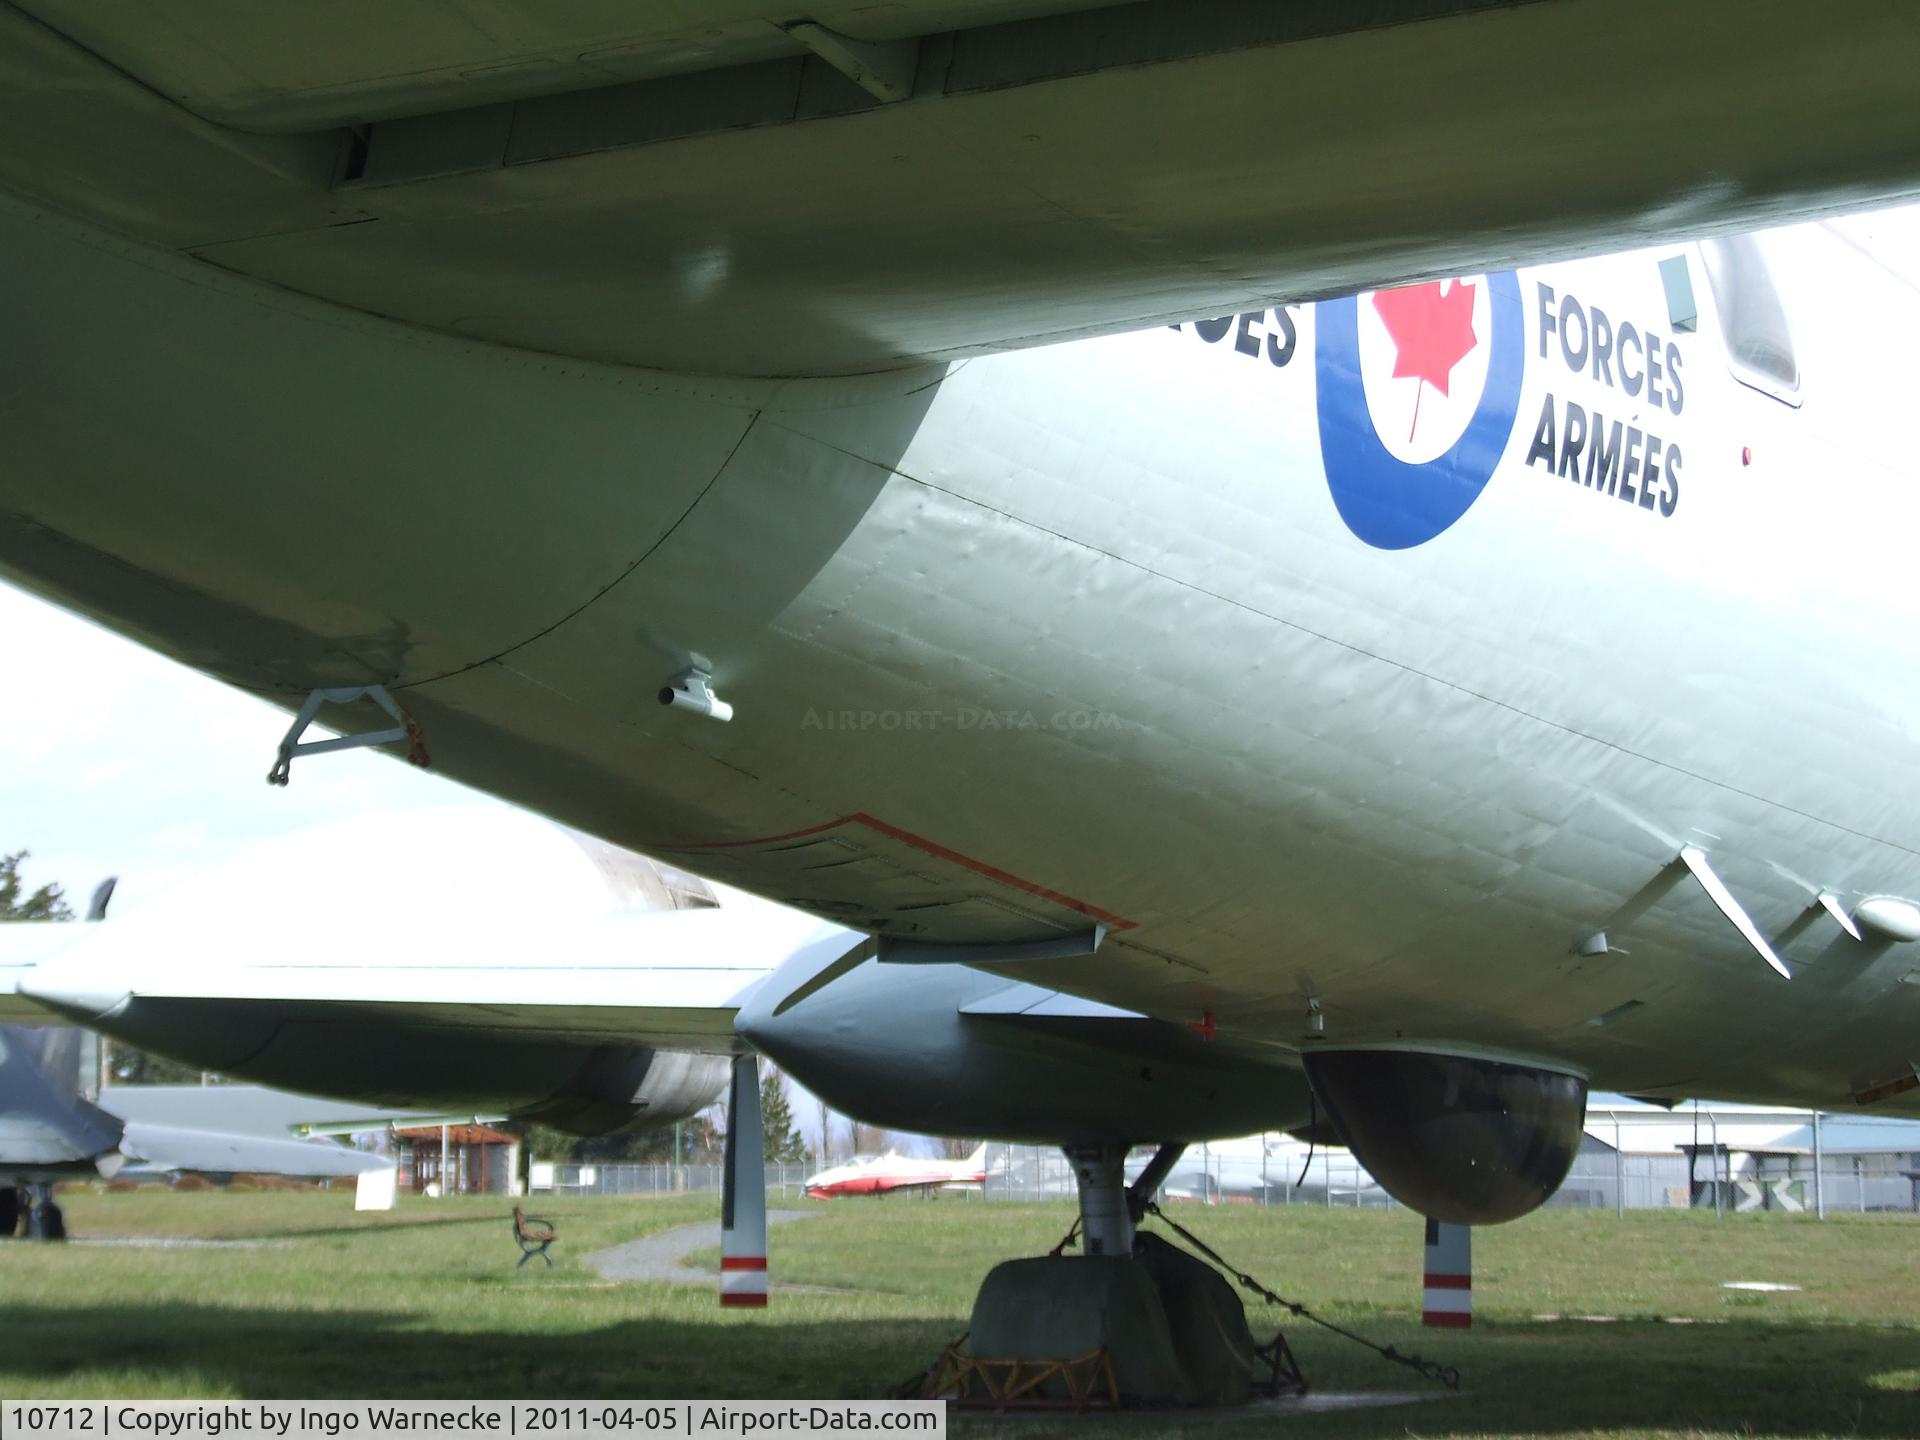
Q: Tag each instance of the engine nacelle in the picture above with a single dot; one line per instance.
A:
(585, 1089)
(948, 1050)
(1458, 1138)
(623, 1085)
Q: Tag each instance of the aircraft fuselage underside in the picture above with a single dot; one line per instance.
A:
(1064, 637)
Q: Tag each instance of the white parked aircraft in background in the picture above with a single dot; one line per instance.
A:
(1399, 711)
(885, 1174)
(1270, 1170)
(465, 959)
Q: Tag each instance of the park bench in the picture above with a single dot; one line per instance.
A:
(535, 1234)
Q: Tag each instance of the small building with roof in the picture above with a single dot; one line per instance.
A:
(470, 1159)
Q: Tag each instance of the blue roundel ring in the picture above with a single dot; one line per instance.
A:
(1387, 502)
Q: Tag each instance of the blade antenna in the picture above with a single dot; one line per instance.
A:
(102, 896)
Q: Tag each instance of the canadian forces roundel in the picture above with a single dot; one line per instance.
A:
(1418, 389)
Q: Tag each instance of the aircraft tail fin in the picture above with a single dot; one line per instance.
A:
(102, 896)
(43, 1120)
(60, 1052)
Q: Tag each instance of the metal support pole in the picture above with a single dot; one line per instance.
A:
(1819, 1163)
(1713, 1124)
(1140, 1193)
(446, 1169)
(1619, 1171)
(743, 1192)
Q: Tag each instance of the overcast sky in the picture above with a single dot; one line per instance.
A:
(114, 761)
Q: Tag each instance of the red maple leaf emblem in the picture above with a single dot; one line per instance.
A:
(1431, 330)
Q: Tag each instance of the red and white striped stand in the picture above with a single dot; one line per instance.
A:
(743, 1201)
(1449, 1288)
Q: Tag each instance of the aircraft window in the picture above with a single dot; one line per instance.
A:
(689, 892)
(1759, 344)
(1683, 316)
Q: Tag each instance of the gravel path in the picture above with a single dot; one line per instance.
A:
(663, 1256)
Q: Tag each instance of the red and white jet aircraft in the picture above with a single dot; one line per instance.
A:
(881, 1174)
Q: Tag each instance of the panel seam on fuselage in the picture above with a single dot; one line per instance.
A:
(1347, 645)
(604, 590)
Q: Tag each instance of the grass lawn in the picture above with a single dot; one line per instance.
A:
(424, 1301)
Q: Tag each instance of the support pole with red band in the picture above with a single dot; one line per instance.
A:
(743, 1200)
(1449, 1285)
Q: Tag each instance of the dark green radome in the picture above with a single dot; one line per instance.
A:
(1462, 1139)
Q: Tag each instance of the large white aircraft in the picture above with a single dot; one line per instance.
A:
(1394, 713)
(461, 960)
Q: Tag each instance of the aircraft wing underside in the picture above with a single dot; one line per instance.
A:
(672, 979)
(746, 189)
(680, 1010)
(167, 1148)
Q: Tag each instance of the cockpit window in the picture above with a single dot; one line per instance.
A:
(1759, 344)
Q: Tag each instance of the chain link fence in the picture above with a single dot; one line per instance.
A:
(1741, 1183)
(1328, 1178)
(1601, 1179)
(784, 1181)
